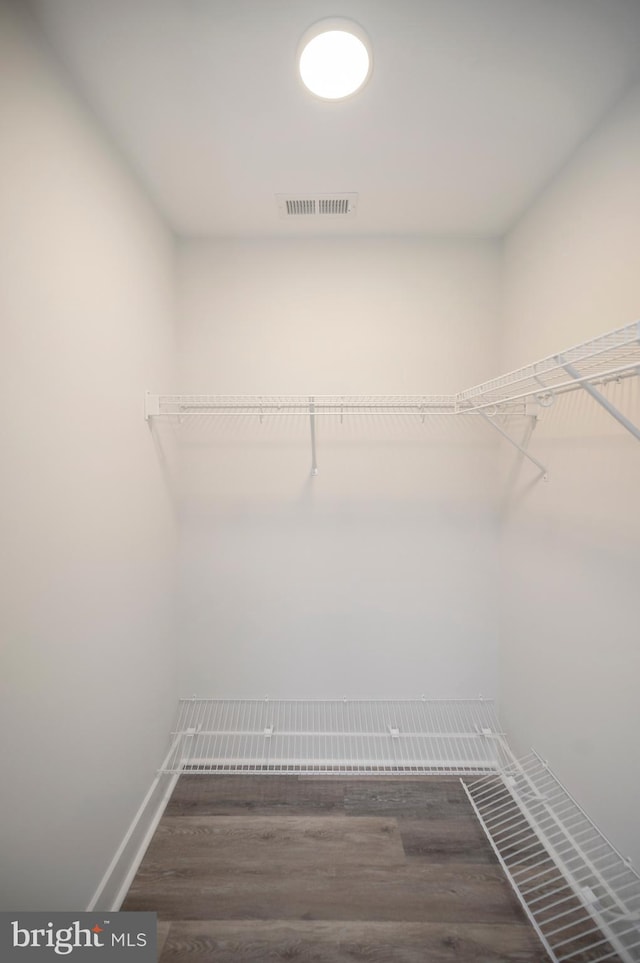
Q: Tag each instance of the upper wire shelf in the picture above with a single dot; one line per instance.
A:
(337, 405)
(610, 356)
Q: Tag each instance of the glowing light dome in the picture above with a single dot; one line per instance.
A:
(335, 59)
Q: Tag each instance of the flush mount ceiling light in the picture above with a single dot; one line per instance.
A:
(334, 58)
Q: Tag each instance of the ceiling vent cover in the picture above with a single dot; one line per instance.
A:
(317, 205)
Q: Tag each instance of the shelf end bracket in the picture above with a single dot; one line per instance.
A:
(151, 405)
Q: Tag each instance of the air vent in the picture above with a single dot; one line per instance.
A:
(317, 205)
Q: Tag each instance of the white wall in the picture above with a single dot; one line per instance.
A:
(570, 660)
(87, 525)
(377, 577)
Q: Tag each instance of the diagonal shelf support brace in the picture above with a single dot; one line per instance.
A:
(312, 424)
(600, 398)
(512, 441)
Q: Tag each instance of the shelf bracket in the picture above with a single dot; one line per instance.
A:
(521, 448)
(312, 424)
(600, 398)
(151, 405)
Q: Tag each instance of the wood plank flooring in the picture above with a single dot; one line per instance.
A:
(327, 870)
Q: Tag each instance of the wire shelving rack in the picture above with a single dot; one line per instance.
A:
(581, 895)
(610, 356)
(339, 736)
(613, 355)
(523, 392)
(338, 406)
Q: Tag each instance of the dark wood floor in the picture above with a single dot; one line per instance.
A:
(251, 869)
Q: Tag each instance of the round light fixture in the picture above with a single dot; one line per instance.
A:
(334, 58)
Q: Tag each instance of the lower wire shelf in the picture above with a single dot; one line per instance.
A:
(580, 894)
(334, 736)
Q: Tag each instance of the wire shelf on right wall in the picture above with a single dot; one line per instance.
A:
(580, 894)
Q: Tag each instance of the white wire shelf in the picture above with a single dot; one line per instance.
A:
(610, 356)
(524, 392)
(581, 895)
(322, 405)
(341, 736)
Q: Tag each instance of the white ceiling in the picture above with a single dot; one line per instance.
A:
(473, 105)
